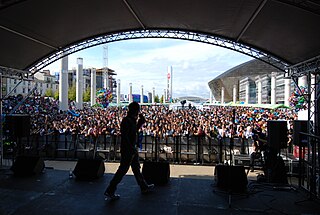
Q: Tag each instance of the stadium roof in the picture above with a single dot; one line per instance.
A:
(31, 30)
(228, 79)
(251, 67)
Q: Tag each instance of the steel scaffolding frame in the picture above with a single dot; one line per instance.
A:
(151, 33)
(310, 69)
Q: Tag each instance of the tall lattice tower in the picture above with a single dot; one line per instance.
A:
(105, 66)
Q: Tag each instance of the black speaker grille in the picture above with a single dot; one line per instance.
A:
(17, 125)
(277, 134)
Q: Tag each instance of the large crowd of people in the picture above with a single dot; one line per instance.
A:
(162, 121)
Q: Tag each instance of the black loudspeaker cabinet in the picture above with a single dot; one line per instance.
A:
(300, 126)
(156, 172)
(18, 125)
(231, 178)
(27, 165)
(277, 173)
(277, 134)
(89, 169)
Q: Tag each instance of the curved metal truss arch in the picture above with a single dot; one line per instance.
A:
(172, 34)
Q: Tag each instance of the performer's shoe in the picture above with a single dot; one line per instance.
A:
(111, 196)
(148, 189)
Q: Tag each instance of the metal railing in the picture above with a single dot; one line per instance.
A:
(175, 149)
(309, 162)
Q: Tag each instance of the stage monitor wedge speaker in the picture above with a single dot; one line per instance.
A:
(231, 178)
(300, 126)
(277, 134)
(18, 125)
(156, 172)
(27, 165)
(89, 169)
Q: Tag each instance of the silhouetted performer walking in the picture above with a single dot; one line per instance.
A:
(129, 153)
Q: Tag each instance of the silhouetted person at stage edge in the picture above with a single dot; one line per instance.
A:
(258, 145)
(129, 152)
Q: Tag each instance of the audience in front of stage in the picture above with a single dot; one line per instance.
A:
(161, 121)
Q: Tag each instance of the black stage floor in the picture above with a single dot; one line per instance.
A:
(52, 192)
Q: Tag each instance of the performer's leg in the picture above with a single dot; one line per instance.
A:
(122, 170)
(135, 166)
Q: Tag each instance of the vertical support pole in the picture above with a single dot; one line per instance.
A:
(259, 86)
(63, 85)
(234, 94)
(222, 95)
(1, 123)
(79, 84)
(141, 95)
(317, 116)
(105, 77)
(130, 92)
(273, 88)
(93, 86)
(118, 92)
(153, 95)
(286, 91)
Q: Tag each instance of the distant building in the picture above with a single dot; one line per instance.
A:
(99, 79)
(72, 74)
(43, 80)
(111, 81)
(243, 82)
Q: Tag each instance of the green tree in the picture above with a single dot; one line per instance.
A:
(56, 95)
(87, 95)
(49, 93)
(156, 99)
(161, 99)
(72, 93)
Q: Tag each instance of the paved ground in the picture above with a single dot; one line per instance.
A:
(191, 190)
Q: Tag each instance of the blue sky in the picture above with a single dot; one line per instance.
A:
(145, 62)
